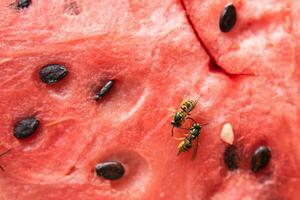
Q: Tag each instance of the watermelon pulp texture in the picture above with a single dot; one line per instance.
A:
(159, 52)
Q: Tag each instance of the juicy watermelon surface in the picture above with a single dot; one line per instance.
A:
(159, 53)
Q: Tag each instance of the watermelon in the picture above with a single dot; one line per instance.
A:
(157, 53)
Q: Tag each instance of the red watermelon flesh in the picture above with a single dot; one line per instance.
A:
(262, 31)
(151, 50)
(295, 19)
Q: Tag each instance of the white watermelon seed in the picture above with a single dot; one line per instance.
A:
(227, 134)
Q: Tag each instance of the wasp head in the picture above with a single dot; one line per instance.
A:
(196, 126)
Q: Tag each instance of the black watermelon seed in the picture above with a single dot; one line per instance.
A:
(227, 18)
(23, 3)
(231, 157)
(25, 127)
(111, 170)
(53, 73)
(104, 90)
(260, 158)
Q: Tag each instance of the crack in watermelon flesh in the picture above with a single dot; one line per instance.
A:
(158, 53)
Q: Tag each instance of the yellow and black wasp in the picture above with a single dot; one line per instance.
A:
(191, 136)
(182, 114)
(2, 154)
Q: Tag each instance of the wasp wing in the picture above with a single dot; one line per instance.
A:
(195, 149)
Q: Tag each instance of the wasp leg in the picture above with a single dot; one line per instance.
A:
(171, 109)
(204, 124)
(178, 128)
(172, 131)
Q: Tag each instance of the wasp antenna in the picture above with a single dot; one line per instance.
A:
(191, 119)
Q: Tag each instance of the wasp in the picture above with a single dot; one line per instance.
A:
(187, 143)
(192, 136)
(182, 114)
(2, 154)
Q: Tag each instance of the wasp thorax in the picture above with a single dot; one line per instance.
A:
(178, 118)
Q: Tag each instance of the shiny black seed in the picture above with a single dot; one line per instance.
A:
(260, 158)
(25, 127)
(23, 3)
(227, 18)
(111, 170)
(104, 90)
(231, 157)
(53, 73)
